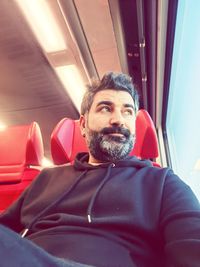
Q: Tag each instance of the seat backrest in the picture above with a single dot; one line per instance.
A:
(20, 160)
(67, 141)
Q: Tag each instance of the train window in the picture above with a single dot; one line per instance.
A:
(183, 120)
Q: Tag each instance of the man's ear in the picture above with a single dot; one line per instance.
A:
(82, 122)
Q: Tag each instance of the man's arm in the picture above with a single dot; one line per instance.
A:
(180, 224)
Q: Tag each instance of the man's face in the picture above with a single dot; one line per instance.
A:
(109, 126)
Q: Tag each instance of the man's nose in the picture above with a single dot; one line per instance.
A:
(117, 118)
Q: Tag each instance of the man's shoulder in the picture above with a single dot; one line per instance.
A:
(55, 173)
(58, 168)
(53, 178)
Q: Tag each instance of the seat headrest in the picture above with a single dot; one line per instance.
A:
(67, 141)
(21, 145)
(146, 145)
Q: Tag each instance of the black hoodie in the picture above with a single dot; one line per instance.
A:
(119, 214)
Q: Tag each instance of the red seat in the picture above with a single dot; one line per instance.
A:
(146, 145)
(20, 160)
(67, 141)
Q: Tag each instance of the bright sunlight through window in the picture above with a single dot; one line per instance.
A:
(183, 119)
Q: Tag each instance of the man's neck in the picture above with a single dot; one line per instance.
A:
(94, 161)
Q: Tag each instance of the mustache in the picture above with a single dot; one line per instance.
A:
(116, 129)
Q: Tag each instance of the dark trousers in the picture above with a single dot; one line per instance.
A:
(18, 252)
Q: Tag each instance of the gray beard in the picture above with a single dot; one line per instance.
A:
(107, 148)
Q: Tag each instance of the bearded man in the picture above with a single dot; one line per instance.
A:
(108, 208)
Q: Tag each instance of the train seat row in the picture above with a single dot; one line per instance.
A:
(21, 154)
(22, 151)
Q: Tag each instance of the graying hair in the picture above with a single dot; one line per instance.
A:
(111, 80)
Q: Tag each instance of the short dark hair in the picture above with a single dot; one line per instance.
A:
(111, 80)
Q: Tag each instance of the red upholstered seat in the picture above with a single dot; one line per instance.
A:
(20, 160)
(146, 145)
(66, 139)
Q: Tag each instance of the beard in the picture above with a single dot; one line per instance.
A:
(106, 147)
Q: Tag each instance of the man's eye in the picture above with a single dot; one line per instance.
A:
(105, 109)
(128, 112)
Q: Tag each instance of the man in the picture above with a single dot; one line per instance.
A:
(108, 209)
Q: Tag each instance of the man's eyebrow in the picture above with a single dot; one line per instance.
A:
(105, 102)
(128, 106)
(109, 103)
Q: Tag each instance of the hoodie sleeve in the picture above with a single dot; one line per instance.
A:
(180, 223)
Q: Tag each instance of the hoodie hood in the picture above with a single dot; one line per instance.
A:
(81, 162)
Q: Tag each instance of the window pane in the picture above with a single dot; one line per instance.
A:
(183, 117)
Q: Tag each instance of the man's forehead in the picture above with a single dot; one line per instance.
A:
(118, 97)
